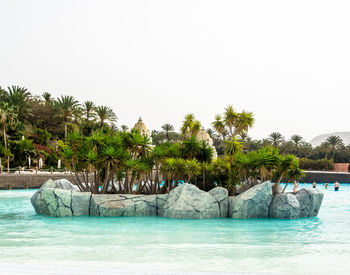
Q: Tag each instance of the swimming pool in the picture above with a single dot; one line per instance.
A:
(316, 245)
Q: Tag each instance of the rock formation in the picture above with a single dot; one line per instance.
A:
(60, 198)
(253, 203)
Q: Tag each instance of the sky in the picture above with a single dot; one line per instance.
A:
(288, 62)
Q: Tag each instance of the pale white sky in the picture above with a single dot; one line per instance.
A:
(287, 61)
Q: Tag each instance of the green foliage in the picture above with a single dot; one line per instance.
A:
(320, 164)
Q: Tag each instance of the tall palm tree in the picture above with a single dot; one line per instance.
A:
(8, 117)
(334, 142)
(167, 128)
(218, 125)
(325, 148)
(230, 119)
(305, 149)
(88, 109)
(276, 138)
(67, 106)
(190, 126)
(192, 168)
(187, 123)
(245, 120)
(18, 97)
(296, 139)
(104, 114)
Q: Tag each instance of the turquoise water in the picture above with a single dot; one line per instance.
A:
(316, 245)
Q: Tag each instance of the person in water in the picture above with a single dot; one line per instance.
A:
(296, 186)
(326, 185)
(314, 184)
(336, 186)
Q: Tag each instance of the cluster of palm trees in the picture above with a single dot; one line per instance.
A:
(332, 148)
(38, 118)
(125, 162)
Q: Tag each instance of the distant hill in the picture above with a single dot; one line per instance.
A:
(345, 136)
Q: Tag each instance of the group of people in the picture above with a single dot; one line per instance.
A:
(314, 185)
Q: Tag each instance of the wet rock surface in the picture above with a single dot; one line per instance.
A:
(60, 198)
(189, 202)
(284, 206)
(220, 194)
(310, 200)
(253, 203)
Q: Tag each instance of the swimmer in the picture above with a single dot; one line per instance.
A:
(326, 185)
(336, 186)
(295, 187)
(314, 184)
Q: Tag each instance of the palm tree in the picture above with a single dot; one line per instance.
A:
(187, 123)
(210, 132)
(230, 119)
(167, 129)
(124, 128)
(204, 156)
(190, 126)
(232, 148)
(265, 161)
(244, 121)
(18, 97)
(305, 149)
(296, 139)
(47, 97)
(104, 114)
(218, 125)
(276, 138)
(325, 148)
(285, 163)
(190, 147)
(88, 109)
(8, 117)
(192, 168)
(294, 173)
(334, 142)
(67, 106)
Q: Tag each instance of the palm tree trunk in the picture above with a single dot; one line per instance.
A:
(65, 130)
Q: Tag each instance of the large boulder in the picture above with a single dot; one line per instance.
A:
(60, 198)
(189, 202)
(123, 205)
(310, 200)
(284, 206)
(220, 194)
(253, 203)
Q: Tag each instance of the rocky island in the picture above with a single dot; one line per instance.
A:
(61, 198)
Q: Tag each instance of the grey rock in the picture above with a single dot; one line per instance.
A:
(189, 202)
(253, 203)
(231, 203)
(123, 205)
(161, 199)
(58, 202)
(284, 206)
(37, 200)
(310, 200)
(220, 194)
(81, 203)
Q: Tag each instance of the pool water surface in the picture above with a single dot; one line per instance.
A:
(318, 245)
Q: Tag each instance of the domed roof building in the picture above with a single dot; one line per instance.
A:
(204, 136)
(141, 127)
